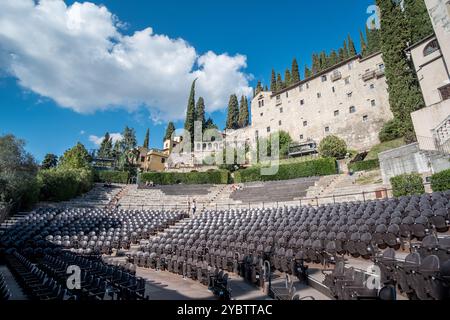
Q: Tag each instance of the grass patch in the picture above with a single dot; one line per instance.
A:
(384, 146)
(371, 177)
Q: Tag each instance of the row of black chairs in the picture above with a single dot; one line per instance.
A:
(5, 294)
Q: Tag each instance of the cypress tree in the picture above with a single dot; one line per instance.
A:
(200, 112)
(273, 82)
(351, 47)
(280, 84)
(373, 39)
(190, 113)
(419, 22)
(209, 124)
(287, 78)
(333, 59)
(259, 88)
(404, 91)
(169, 131)
(345, 50)
(362, 40)
(315, 64)
(266, 88)
(341, 54)
(243, 113)
(233, 113)
(323, 61)
(295, 72)
(146, 139)
(307, 72)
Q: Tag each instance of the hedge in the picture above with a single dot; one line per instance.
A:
(64, 184)
(440, 181)
(164, 178)
(319, 167)
(364, 165)
(407, 185)
(112, 176)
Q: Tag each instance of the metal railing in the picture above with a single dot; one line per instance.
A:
(433, 144)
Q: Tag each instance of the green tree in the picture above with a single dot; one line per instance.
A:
(418, 20)
(76, 158)
(307, 72)
(341, 54)
(373, 39)
(333, 146)
(169, 131)
(190, 113)
(362, 40)
(295, 72)
(18, 184)
(280, 84)
(209, 124)
(273, 82)
(147, 139)
(105, 150)
(233, 113)
(404, 92)
(315, 64)
(351, 47)
(345, 51)
(323, 61)
(128, 141)
(243, 113)
(287, 78)
(50, 161)
(200, 112)
(333, 58)
(259, 88)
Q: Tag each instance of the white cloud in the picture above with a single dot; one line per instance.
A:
(98, 140)
(77, 56)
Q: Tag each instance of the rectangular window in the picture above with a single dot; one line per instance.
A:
(381, 66)
(302, 102)
(301, 137)
(327, 129)
(259, 104)
(163, 160)
(350, 66)
(445, 92)
(307, 86)
(300, 88)
(278, 97)
(324, 78)
(319, 95)
(279, 123)
(305, 123)
(262, 103)
(268, 129)
(281, 110)
(373, 103)
(333, 89)
(336, 113)
(352, 109)
(349, 95)
(347, 81)
(142, 159)
(372, 86)
(261, 114)
(287, 94)
(365, 118)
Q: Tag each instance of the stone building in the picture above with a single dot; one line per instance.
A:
(349, 100)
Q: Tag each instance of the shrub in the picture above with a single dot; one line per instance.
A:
(364, 165)
(333, 147)
(391, 130)
(320, 167)
(164, 178)
(441, 181)
(407, 184)
(112, 176)
(60, 184)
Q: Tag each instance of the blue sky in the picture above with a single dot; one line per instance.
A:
(268, 33)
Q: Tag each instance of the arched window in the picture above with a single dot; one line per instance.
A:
(431, 47)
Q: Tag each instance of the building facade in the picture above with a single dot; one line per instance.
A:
(431, 58)
(349, 100)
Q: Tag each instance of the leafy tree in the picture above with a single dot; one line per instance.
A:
(351, 47)
(147, 139)
(190, 113)
(50, 161)
(18, 184)
(418, 20)
(287, 78)
(333, 146)
(128, 141)
(169, 131)
(404, 92)
(391, 130)
(76, 158)
(105, 150)
(233, 113)
(273, 82)
(295, 72)
(200, 112)
(362, 40)
(243, 113)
